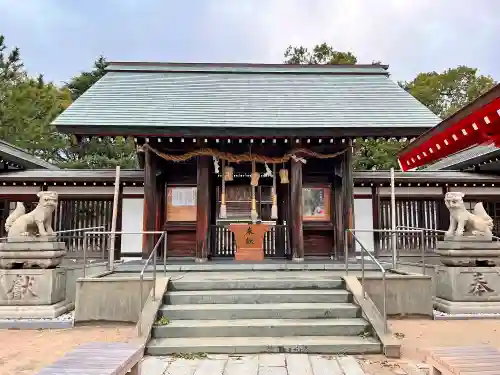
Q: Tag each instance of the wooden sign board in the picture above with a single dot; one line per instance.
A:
(181, 203)
(316, 203)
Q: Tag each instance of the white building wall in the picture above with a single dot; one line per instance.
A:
(83, 190)
(363, 219)
(132, 221)
(476, 190)
(19, 190)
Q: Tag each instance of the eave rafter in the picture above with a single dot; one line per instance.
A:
(480, 127)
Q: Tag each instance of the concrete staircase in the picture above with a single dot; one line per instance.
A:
(281, 312)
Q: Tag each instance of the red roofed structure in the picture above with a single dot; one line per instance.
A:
(478, 123)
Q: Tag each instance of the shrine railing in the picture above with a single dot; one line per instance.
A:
(276, 241)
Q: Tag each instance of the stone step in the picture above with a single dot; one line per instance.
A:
(256, 296)
(260, 311)
(256, 284)
(262, 328)
(246, 345)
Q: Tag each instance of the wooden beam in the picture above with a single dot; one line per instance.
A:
(376, 218)
(202, 207)
(119, 219)
(348, 193)
(149, 203)
(297, 208)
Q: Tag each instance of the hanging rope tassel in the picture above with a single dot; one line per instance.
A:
(223, 208)
(254, 183)
(274, 207)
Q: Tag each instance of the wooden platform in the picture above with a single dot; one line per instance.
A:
(473, 360)
(99, 358)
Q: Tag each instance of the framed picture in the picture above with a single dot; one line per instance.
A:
(181, 203)
(316, 203)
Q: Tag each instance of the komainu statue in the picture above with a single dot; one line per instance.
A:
(38, 222)
(463, 223)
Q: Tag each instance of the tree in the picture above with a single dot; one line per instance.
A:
(81, 83)
(28, 106)
(26, 113)
(377, 154)
(321, 54)
(96, 153)
(443, 93)
(447, 92)
(368, 153)
(11, 65)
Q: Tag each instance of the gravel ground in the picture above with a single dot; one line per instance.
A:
(416, 335)
(26, 352)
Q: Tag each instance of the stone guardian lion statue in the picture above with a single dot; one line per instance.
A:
(462, 222)
(37, 222)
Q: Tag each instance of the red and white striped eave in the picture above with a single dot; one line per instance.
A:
(479, 127)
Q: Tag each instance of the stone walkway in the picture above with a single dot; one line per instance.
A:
(261, 364)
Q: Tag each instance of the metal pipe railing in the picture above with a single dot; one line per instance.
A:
(394, 255)
(153, 256)
(85, 234)
(69, 231)
(382, 269)
(439, 231)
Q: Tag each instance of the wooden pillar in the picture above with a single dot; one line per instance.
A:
(376, 218)
(202, 207)
(119, 219)
(150, 192)
(348, 193)
(296, 204)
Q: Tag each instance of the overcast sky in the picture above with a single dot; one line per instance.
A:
(60, 38)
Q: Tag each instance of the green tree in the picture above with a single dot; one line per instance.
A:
(28, 106)
(321, 54)
(447, 92)
(95, 152)
(368, 154)
(11, 65)
(82, 82)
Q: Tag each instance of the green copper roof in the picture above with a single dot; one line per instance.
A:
(149, 97)
(21, 158)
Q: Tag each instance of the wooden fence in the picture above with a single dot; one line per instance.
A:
(71, 214)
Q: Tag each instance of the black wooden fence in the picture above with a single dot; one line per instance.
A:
(73, 214)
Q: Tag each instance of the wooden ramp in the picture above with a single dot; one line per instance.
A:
(474, 360)
(99, 358)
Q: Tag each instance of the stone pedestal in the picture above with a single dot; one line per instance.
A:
(32, 253)
(469, 279)
(33, 293)
(30, 284)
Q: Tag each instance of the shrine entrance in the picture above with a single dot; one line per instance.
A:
(238, 210)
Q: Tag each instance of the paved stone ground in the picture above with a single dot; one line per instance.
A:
(261, 364)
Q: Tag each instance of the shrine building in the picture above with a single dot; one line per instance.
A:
(231, 143)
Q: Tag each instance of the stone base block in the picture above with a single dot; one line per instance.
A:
(451, 307)
(36, 312)
(468, 284)
(31, 254)
(30, 287)
(469, 258)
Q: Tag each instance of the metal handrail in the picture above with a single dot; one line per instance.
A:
(384, 282)
(163, 238)
(85, 234)
(394, 260)
(69, 231)
(439, 231)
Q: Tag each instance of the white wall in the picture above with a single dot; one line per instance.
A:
(19, 190)
(476, 190)
(411, 191)
(363, 219)
(83, 190)
(132, 220)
